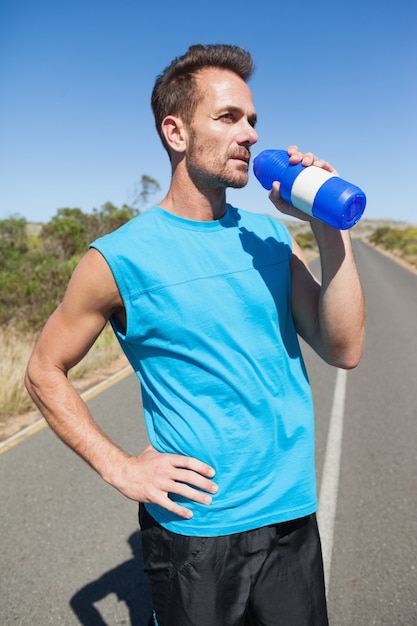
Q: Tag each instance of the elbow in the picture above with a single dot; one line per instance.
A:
(347, 356)
(344, 361)
(30, 379)
(349, 362)
(34, 378)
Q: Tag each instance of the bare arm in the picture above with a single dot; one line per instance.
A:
(91, 298)
(330, 316)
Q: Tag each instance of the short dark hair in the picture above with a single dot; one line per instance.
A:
(175, 91)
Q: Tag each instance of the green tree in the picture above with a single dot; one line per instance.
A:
(65, 235)
(35, 270)
(13, 249)
(144, 189)
(13, 242)
(108, 219)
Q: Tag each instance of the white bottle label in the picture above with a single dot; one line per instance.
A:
(306, 186)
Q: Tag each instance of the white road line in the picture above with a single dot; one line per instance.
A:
(326, 514)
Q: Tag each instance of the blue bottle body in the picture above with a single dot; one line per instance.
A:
(313, 190)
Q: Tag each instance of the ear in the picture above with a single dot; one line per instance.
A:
(175, 133)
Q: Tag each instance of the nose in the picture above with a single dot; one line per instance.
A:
(248, 135)
(254, 135)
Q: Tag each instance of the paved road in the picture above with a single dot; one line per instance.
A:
(70, 551)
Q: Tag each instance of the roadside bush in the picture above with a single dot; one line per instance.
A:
(401, 241)
(36, 263)
(35, 270)
(306, 240)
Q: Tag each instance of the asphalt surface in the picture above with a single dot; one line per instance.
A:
(70, 545)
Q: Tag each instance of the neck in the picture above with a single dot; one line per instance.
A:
(186, 199)
(198, 208)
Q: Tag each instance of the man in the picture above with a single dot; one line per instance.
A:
(207, 302)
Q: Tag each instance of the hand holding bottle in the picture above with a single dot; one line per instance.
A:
(316, 191)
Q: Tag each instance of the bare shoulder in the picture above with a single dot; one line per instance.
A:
(92, 285)
(90, 300)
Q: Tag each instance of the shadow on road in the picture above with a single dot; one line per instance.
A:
(127, 581)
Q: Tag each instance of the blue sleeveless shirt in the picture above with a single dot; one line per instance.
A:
(211, 337)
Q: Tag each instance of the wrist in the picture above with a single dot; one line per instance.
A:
(327, 235)
(112, 468)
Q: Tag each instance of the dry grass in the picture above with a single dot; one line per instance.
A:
(16, 348)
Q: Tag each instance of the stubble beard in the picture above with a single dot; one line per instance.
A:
(212, 173)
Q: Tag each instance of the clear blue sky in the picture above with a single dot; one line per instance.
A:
(337, 77)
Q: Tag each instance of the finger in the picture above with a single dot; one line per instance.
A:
(189, 493)
(160, 497)
(324, 165)
(283, 206)
(292, 150)
(274, 194)
(174, 508)
(194, 479)
(166, 460)
(190, 463)
(308, 158)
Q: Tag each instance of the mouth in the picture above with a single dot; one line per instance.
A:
(242, 156)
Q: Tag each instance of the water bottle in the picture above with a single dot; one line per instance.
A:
(311, 189)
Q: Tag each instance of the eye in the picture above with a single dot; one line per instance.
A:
(226, 117)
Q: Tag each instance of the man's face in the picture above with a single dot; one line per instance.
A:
(222, 131)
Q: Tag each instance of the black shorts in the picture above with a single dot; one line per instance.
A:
(271, 576)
